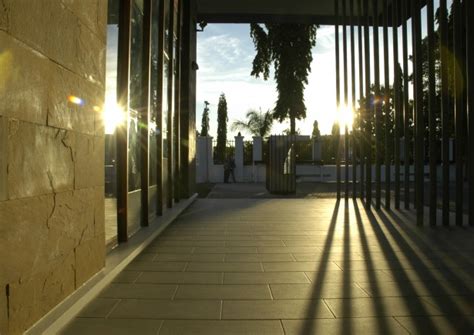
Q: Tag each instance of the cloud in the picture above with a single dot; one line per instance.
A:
(225, 55)
(325, 39)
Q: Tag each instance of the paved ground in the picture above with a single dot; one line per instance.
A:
(291, 266)
(258, 191)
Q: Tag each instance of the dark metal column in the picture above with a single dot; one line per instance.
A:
(177, 97)
(377, 104)
(432, 106)
(445, 119)
(353, 87)
(171, 107)
(123, 79)
(346, 98)
(368, 110)
(419, 120)
(188, 100)
(159, 122)
(406, 108)
(397, 99)
(338, 98)
(458, 19)
(469, 9)
(361, 106)
(145, 111)
(386, 66)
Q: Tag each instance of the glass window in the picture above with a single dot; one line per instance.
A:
(136, 66)
(112, 116)
(166, 73)
(154, 112)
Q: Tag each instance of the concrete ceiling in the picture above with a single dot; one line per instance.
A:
(292, 11)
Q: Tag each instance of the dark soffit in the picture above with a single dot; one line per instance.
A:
(294, 11)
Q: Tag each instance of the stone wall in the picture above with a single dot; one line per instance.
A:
(51, 153)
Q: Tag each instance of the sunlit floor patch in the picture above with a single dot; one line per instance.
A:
(292, 266)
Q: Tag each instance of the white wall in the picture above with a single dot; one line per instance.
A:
(206, 171)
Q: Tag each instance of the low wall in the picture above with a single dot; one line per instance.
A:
(315, 173)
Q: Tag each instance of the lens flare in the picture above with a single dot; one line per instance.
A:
(75, 100)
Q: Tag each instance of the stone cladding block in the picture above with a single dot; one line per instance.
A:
(73, 102)
(89, 162)
(87, 262)
(40, 160)
(3, 158)
(49, 287)
(24, 81)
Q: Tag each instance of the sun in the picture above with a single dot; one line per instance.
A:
(113, 114)
(345, 117)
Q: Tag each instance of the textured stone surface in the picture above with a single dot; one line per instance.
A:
(49, 287)
(4, 15)
(90, 57)
(89, 148)
(82, 9)
(40, 160)
(48, 228)
(57, 36)
(67, 115)
(24, 81)
(89, 259)
(51, 153)
(65, 35)
(3, 309)
(3, 158)
(30, 231)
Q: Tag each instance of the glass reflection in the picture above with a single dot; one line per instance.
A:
(136, 54)
(154, 113)
(112, 115)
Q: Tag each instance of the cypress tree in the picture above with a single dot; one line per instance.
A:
(221, 128)
(205, 120)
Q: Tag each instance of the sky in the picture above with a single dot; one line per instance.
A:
(225, 53)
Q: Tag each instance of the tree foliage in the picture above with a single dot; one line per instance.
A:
(205, 120)
(257, 124)
(288, 48)
(221, 128)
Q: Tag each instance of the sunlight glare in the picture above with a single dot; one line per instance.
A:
(345, 117)
(113, 115)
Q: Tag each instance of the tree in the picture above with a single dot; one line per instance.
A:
(316, 133)
(221, 128)
(257, 124)
(205, 120)
(288, 48)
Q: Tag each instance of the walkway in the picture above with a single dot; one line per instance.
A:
(291, 266)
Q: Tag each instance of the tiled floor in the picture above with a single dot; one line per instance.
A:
(292, 266)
